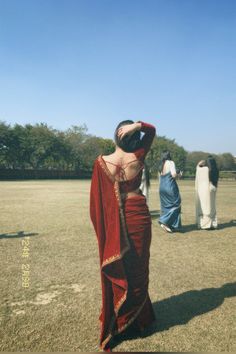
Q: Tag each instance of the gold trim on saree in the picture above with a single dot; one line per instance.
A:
(120, 303)
(133, 318)
(119, 330)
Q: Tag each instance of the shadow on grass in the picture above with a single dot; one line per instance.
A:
(225, 225)
(18, 234)
(155, 213)
(188, 228)
(180, 309)
(193, 227)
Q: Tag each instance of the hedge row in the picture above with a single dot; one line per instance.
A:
(18, 174)
(10, 174)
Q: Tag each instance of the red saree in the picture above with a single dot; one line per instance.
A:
(123, 232)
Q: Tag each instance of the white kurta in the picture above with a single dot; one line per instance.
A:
(205, 193)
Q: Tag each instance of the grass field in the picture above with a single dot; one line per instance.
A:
(192, 274)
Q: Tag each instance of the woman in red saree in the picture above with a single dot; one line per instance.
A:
(122, 224)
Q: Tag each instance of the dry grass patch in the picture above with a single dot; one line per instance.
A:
(192, 273)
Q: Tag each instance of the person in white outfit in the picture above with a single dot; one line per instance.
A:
(145, 182)
(206, 181)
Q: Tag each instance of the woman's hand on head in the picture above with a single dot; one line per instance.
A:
(202, 163)
(128, 129)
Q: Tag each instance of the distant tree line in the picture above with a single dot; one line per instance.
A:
(41, 147)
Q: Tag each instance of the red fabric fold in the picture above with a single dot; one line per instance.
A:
(124, 236)
(111, 234)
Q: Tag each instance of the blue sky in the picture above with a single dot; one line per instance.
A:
(168, 62)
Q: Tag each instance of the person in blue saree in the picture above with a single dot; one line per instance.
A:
(170, 219)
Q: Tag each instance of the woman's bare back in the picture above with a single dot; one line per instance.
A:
(122, 165)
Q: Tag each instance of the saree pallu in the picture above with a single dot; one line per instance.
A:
(170, 202)
(123, 232)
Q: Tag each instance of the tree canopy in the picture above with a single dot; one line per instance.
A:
(40, 146)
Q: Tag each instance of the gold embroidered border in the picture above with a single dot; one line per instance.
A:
(110, 260)
(115, 257)
(118, 306)
(132, 319)
(105, 341)
(103, 344)
(120, 303)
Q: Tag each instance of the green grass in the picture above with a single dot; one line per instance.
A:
(191, 273)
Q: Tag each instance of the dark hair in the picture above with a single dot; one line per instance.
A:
(164, 157)
(128, 143)
(213, 170)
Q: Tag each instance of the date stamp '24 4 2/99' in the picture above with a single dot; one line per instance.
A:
(25, 267)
